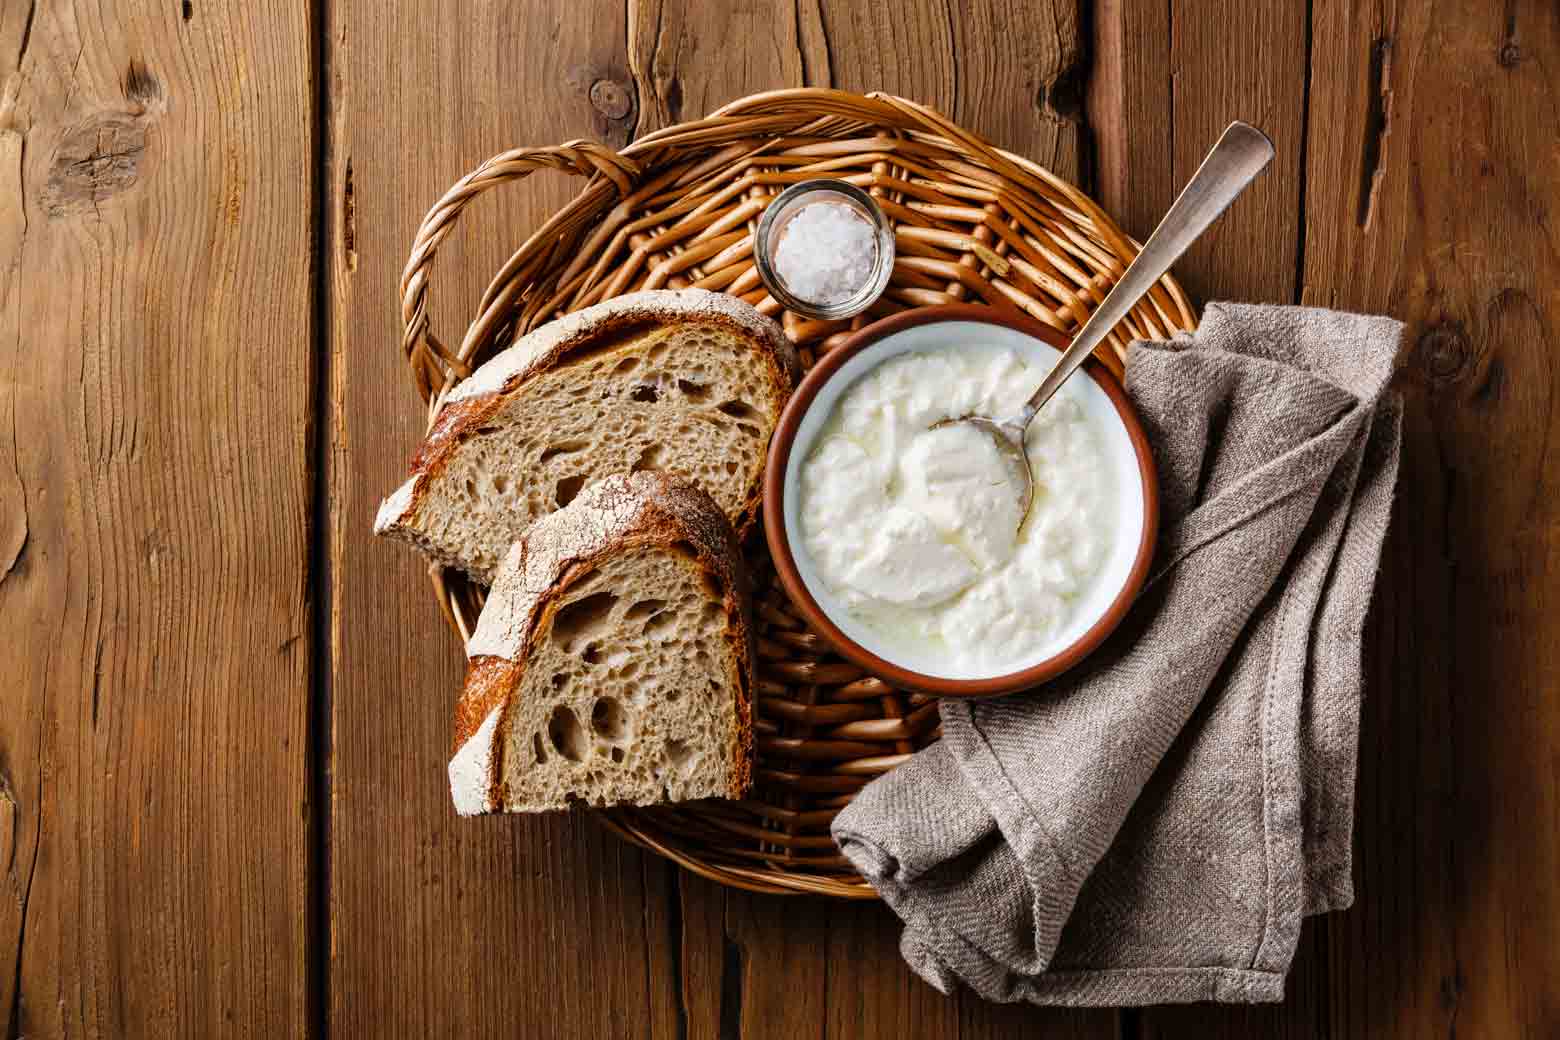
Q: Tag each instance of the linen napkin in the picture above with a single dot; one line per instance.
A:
(1152, 827)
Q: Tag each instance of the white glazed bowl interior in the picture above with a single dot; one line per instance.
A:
(1116, 446)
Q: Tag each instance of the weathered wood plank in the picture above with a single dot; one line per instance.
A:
(1006, 69)
(630, 948)
(502, 926)
(761, 966)
(1128, 104)
(1432, 195)
(1167, 79)
(155, 480)
(765, 966)
(1428, 194)
(1009, 70)
(1173, 78)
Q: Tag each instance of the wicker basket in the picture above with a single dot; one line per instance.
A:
(678, 208)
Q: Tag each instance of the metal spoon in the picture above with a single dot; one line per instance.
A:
(1240, 154)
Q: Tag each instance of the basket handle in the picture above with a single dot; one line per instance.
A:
(610, 174)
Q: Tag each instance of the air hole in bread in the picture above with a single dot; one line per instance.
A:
(567, 488)
(500, 482)
(565, 733)
(737, 409)
(560, 680)
(471, 490)
(536, 749)
(730, 466)
(643, 609)
(711, 616)
(677, 753)
(660, 624)
(749, 429)
(649, 459)
(625, 366)
(608, 719)
(645, 392)
(682, 545)
(617, 754)
(586, 616)
(657, 352)
(693, 391)
(563, 448)
(591, 654)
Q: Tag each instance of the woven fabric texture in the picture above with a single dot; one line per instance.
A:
(1153, 827)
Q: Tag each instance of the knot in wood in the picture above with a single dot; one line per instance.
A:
(95, 160)
(1443, 353)
(611, 98)
(143, 89)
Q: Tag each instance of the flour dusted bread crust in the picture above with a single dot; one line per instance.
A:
(613, 661)
(685, 382)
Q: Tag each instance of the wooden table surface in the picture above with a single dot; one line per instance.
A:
(226, 707)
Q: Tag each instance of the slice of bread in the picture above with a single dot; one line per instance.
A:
(686, 382)
(613, 661)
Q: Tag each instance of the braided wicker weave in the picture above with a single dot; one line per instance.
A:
(678, 208)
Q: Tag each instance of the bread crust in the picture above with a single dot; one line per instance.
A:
(611, 516)
(471, 404)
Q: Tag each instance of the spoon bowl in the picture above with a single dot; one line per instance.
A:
(1241, 153)
(1009, 439)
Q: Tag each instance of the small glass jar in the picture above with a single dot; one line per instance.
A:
(772, 228)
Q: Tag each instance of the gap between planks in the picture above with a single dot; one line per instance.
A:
(321, 543)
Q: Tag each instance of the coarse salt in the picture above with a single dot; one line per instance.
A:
(826, 254)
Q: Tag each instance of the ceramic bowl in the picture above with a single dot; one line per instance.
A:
(927, 330)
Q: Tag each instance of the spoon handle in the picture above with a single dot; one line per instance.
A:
(1240, 154)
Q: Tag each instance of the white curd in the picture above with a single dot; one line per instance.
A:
(915, 531)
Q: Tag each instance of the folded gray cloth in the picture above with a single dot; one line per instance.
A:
(1152, 827)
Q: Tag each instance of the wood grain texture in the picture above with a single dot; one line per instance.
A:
(1172, 78)
(1011, 71)
(158, 359)
(512, 926)
(1168, 78)
(758, 966)
(1128, 99)
(155, 373)
(1432, 195)
(762, 966)
(439, 924)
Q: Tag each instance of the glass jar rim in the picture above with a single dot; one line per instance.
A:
(770, 224)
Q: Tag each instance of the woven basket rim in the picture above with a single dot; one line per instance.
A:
(974, 223)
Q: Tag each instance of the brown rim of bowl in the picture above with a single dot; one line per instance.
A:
(785, 564)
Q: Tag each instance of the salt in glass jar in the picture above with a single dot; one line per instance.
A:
(824, 249)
